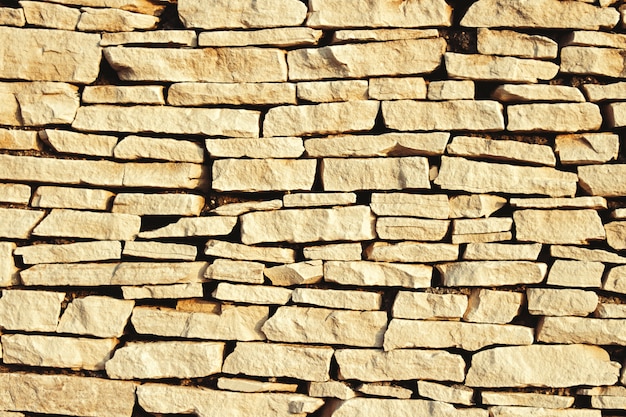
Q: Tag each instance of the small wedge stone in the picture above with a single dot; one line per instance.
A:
(331, 389)
(174, 150)
(31, 311)
(102, 226)
(96, 316)
(383, 389)
(334, 252)
(510, 43)
(501, 252)
(590, 331)
(545, 226)
(576, 274)
(193, 226)
(503, 150)
(114, 20)
(560, 302)
(348, 300)
(174, 291)
(200, 94)
(562, 117)
(300, 273)
(491, 273)
(421, 305)
(489, 306)
(71, 252)
(363, 273)
(252, 294)
(252, 253)
(331, 91)
(284, 37)
(412, 252)
(439, 392)
(287, 147)
(496, 68)
(113, 94)
(263, 174)
(518, 93)
(235, 209)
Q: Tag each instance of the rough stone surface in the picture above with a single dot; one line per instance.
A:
(73, 198)
(503, 150)
(114, 20)
(9, 274)
(589, 331)
(560, 302)
(384, 389)
(546, 226)
(331, 91)
(31, 311)
(12, 17)
(38, 103)
(603, 180)
(596, 92)
(277, 147)
(563, 117)
(263, 174)
(103, 226)
(403, 228)
(193, 226)
(510, 43)
(451, 90)
(334, 252)
(318, 199)
(439, 392)
(565, 273)
(501, 411)
(174, 291)
(155, 37)
(595, 61)
(235, 209)
(106, 94)
(524, 93)
(616, 115)
(96, 316)
(589, 38)
(550, 203)
(285, 37)
(138, 147)
(356, 35)
(363, 273)
(252, 385)
(489, 306)
(583, 254)
(371, 407)
(397, 144)
(615, 280)
(236, 271)
(411, 252)
(495, 68)
(243, 252)
(77, 143)
(501, 252)
(300, 273)
(159, 250)
(434, 206)
(199, 94)
(475, 205)
(526, 399)
(349, 300)
(71, 252)
(421, 305)
(397, 88)
(252, 294)
(491, 273)
(18, 139)
(158, 204)
(18, 223)
(331, 389)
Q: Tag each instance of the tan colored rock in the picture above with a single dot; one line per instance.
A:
(114, 20)
(408, 228)
(608, 402)
(331, 389)
(308, 272)
(561, 302)
(451, 90)
(538, 365)
(589, 38)
(235, 271)
(243, 252)
(597, 92)
(139, 147)
(57, 352)
(8, 271)
(50, 15)
(318, 199)
(420, 305)
(562, 117)
(283, 37)
(371, 407)
(311, 363)
(64, 394)
(141, 360)
(576, 274)
(583, 254)
(576, 202)
(510, 43)
(526, 399)
(396, 144)
(154, 37)
(76, 198)
(193, 226)
(71, 142)
(18, 139)
(235, 209)
(321, 325)
(331, 91)
(477, 177)
(227, 323)
(433, 206)
(113, 94)
(402, 57)
(102, 226)
(31, 311)
(349, 300)
(363, 273)
(383, 389)
(96, 316)
(500, 411)
(278, 147)
(252, 294)
(616, 114)
(397, 88)
(482, 237)
(199, 94)
(402, 364)
(546, 226)
(619, 213)
(241, 14)
(174, 291)
(610, 311)
(12, 17)
(444, 334)
(539, 14)
(590, 331)
(614, 391)
(71, 252)
(477, 226)
(158, 204)
(593, 61)
(38, 103)
(252, 385)
(615, 280)
(379, 35)
(18, 223)
(159, 250)
(604, 180)
(501, 252)
(412, 252)
(494, 68)
(539, 92)
(53, 55)
(475, 206)
(221, 65)
(489, 306)
(162, 398)
(334, 252)
(375, 173)
(263, 174)
(444, 393)
(308, 225)
(505, 150)
(443, 115)
(491, 273)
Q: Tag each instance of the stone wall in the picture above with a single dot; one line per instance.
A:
(346, 208)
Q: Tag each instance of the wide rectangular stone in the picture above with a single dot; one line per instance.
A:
(576, 149)
(236, 209)
(398, 365)
(584, 254)
(257, 148)
(526, 399)
(321, 325)
(601, 92)
(171, 150)
(375, 173)
(537, 92)
(401, 57)
(576, 274)
(439, 392)
(308, 225)
(244, 252)
(71, 252)
(372, 407)
(502, 150)
(593, 38)
(382, 389)
(409, 228)
(160, 250)
(422, 305)
(19, 223)
(501, 411)
(310, 363)
(200, 94)
(12, 17)
(491, 273)
(352, 35)
(491, 306)
(385, 274)
(434, 206)
(38, 103)
(397, 88)
(83, 224)
(331, 91)
(610, 311)
(510, 43)
(547, 226)
(451, 90)
(31, 311)
(482, 115)
(560, 302)
(114, 20)
(77, 143)
(596, 203)
(478, 226)
(263, 174)
(252, 385)
(221, 65)
(76, 198)
(589, 331)
(235, 271)
(158, 204)
(593, 61)
(252, 294)
(480, 177)
(155, 37)
(49, 55)
(496, 68)
(193, 226)
(411, 252)
(318, 199)
(561, 117)
(281, 37)
(66, 395)
(348, 300)
(301, 273)
(501, 252)
(18, 139)
(113, 94)
(604, 180)
(334, 252)
(173, 291)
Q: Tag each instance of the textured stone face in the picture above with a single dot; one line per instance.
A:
(73, 223)
(557, 302)
(604, 180)
(495, 68)
(546, 226)
(263, 174)
(31, 311)
(507, 42)
(364, 273)
(96, 316)
(72, 252)
(554, 117)
(491, 273)
(38, 103)
(596, 61)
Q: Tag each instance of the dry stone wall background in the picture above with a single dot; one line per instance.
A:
(332, 208)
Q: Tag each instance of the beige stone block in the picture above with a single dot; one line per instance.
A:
(241, 14)
(342, 299)
(235, 271)
(491, 273)
(596, 203)
(18, 139)
(544, 366)
(475, 206)
(254, 253)
(31, 311)
(408, 228)
(379, 35)
(562, 117)
(422, 305)
(397, 88)
(159, 250)
(174, 291)
(193, 226)
(616, 114)
(482, 237)
(75, 198)
(174, 150)
(546, 226)
(96, 316)
(433, 206)
(619, 213)
(610, 311)
(403, 364)
(538, 92)
(331, 389)
(252, 294)
(375, 173)
(155, 37)
(561, 302)
(396, 144)
(14, 193)
(308, 272)
(591, 38)
(235, 209)
(510, 43)
(71, 142)
(18, 223)
(576, 274)
(102, 226)
(57, 352)
(401, 57)
(483, 115)
(64, 394)
(146, 360)
(321, 325)
(584, 254)
(158, 204)
(445, 334)
(412, 252)
(38, 103)
(263, 174)
(138, 6)
(331, 91)
(501, 252)
(221, 65)
(590, 331)
(525, 399)
(308, 225)
(282, 37)
(604, 180)
(384, 389)
(49, 55)
(371, 407)
(363, 273)
(478, 226)
(200, 94)
(607, 402)
(495, 68)
(548, 14)
(334, 252)
(615, 280)
(257, 148)
(50, 15)
(71, 252)
(501, 411)
(451, 90)
(8, 271)
(242, 323)
(252, 385)
(114, 20)
(12, 17)
(311, 363)
(593, 61)
(597, 92)
(489, 306)
(113, 94)
(438, 392)
(614, 391)
(318, 199)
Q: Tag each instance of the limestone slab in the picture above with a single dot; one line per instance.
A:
(235, 209)
(501, 252)
(444, 393)
(481, 177)
(114, 20)
(411, 252)
(173, 291)
(603, 180)
(409, 228)
(590, 331)
(596, 203)
(71, 252)
(308, 363)
(174, 150)
(252, 294)
(371, 407)
(252, 385)
(274, 147)
(491, 273)
(610, 311)
(308, 272)
(584, 254)
(193, 226)
(560, 302)
(495, 68)
(38, 103)
(451, 90)
(422, 305)
(331, 389)
(283, 37)
(433, 206)
(263, 174)
(235, 271)
(77, 143)
(18, 139)
(510, 43)
(397, 88)
(542, 366)
(524, 93)
(384, 389)
(342, 299)
(321, 325)
(318, 199)
(615, 280)
(200, 94)
(19, 223)
(503, 411)
(159, 250)
(546, 226)
(113, 94)
(475, 205)
(526, 399)
(379, 35)
(12, 17)
(489, 306)
(102, 226)
(565, 273)
(8, 270)
(154, 37)
(334, 252)
(616, 115)
(608, 402)
(158, 204)
(331, 91)
(561, 117)
(363, 273)
(31, 311)
(504, 150)
(599, 92)
(138, 6)
(253, 253)
(478, 226)
(98, 316)
(593, 61)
